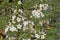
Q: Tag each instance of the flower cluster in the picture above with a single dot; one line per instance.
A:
(39, 13)
(19, 21)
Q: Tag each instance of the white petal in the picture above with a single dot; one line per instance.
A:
(6, 29)
(42, 36)
(13, 17)
(18, 19)
(25, 23)
(20, 10)
(37, 36)
(13, 28)
(19, 2)
(13, 21)
(19, 26)
(15, 11)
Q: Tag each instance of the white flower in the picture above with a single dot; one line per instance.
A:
(44, 6)
(42, 36)
(13, 21)
(9, 23)
(15, 11)
(19, 26)
(9, 38)
(37, 13)
(18, 19)
(19, 2)
(20, 10)
(12, 38)
(13, 17)
(12, 28)
(23, 39)
(25, 23)
(6, 29)
(37, 36)
(31, 22)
